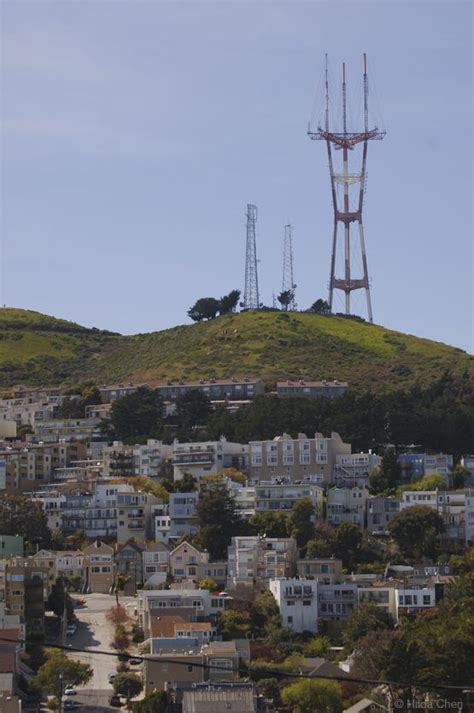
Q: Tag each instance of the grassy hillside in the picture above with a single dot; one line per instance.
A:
(37, 349)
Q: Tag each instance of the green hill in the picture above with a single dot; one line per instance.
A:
(38, 349)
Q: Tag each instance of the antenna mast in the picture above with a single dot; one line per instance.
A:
(348, 140)
(288, 282)
(251, 296)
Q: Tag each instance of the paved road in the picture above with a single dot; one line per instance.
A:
(95, 632)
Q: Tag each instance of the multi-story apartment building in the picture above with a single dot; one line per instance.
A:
(469, 518)
(298, 459)
(66, 429)
(257, 559)
(28, 467)
(324, 569)
(148, 459)
(297, 601)
(182, 514)
(283, 495)
(382, 597)
(117, 461)
(215, 389)
(184, 561)
(336, 601)
(311, 389)
(111, 393)
(415, 466)
(380, 511)
(134, 516)
(200, 459)
(354, 469)
(99, 568)
(28, 411)
(162, 522)
(346, 505)
(451, 505)
(25, 585)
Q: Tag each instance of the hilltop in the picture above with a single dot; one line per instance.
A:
(38, 349)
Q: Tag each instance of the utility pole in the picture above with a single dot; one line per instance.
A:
(346, 140)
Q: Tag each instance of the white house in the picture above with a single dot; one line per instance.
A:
(297, 600)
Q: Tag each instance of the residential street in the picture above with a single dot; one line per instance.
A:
(95, 632)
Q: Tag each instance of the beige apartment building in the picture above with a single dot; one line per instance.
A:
(296, 459)
(99, 568)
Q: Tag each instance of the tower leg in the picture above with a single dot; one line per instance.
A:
(347, 237)
(366, 272)
(332, 276)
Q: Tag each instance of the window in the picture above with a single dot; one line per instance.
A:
(289, 619)
(189, 669)
(426, 599)
(306, 602)
(290, 603)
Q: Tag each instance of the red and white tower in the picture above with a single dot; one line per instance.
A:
(352, 186)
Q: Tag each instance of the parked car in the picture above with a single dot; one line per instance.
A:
(115, 701)
(70, 691)
(68, 704)
(111, 677)
(134, 662)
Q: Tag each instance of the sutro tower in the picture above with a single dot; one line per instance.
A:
(288, 280)
(347, 213)
(251, 296)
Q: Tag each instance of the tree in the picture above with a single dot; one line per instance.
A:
(308, 696)
(264, 614)
(348, 543)
(229, 302)
(317, 646)
(234, 624)
(20, 515)
(271, 524)
(128, 685)
(300, 522)
(207, 583)
(459, 476)
(186, 484)
(416, 531)
(145, 485)
(322, 544)
(59, 671)
(121, 640)
(192, 409)
(285, 298)
(59, 600)
(365, 619)
(138, 415)
(269, 689)
(386, 477)
(156, 702)
(218, 520)
(204, 308)
(117, 614)
(320, 307)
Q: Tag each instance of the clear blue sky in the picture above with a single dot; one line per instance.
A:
(134, 134)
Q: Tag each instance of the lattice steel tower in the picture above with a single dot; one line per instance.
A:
(287, 281)
(251, 296)
(347, 140)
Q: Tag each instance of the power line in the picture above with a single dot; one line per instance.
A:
(247, 670)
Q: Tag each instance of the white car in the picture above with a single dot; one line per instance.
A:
(70, 691)
(111, 677)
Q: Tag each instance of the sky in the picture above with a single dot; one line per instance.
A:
(135, 133)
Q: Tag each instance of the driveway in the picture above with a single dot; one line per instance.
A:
(95, 632)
